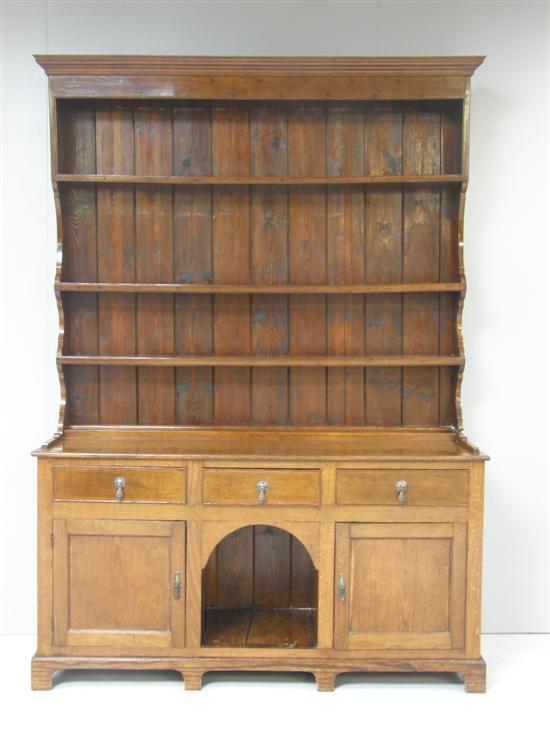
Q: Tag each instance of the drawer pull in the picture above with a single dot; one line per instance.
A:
(177, 586)
(262, 487)
(401, 487)
(342, 588)
(120, 486)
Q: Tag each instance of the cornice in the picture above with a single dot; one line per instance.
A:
(324, 66)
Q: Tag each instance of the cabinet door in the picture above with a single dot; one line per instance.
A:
(114, 583)
(400, 586)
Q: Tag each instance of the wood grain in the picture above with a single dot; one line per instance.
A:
(422, 154)
(243, 180)
(345, 263)
(375, 486)
(100, 568)
(239, 486)
(415, 595)
(269, 263)
(231, 231)
(285, 66)
(85, 483)
(116, 261)
(307, 263)
(260, 278)
(77, 153)
(154, 261)
(193, 264)
(279, 628)
(384, 263)
(239, 361)
(259, 288)
(237, 250)
(257, 568)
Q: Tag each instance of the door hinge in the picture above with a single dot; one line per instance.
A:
(51, 540)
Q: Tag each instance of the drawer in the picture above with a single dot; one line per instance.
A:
(95, 483)
(423, 488)
(242, 486)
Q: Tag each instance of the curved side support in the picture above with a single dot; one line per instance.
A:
(306, 532)
(461, 271)
(58, 267)
(61, 315)
(459, 334)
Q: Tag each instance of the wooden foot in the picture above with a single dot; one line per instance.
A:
(193, 680)
(474, 679)
(41, 676)
(325, 681)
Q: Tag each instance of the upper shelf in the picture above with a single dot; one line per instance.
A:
(262, 289)
(260, 180)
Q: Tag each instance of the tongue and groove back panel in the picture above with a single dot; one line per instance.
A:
(326, 235)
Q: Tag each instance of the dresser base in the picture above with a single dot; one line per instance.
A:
(324, 670)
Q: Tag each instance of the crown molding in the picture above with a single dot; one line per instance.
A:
(324, 66)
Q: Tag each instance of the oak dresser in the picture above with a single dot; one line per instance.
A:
(260, 463)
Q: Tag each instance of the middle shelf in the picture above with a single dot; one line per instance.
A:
(263, 361)
(214, 288)
(168, 180)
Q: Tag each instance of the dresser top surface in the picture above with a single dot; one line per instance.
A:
(292, 444)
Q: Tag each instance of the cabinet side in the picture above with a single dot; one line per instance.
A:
(45, 557)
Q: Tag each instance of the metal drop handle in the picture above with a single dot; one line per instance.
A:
(262, 487)
(342, 588)
(177, 586)
(120, 486)
(401, 487)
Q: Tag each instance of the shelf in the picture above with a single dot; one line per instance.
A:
(263, 361)
(292, 628)
(259, 180)
(191, 289)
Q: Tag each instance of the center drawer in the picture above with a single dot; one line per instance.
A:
(120, 484)
(255, 486)
(413, 487)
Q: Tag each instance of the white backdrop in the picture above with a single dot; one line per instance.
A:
(505, 393)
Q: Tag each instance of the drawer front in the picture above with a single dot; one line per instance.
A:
(243, 486)
(421, 488)
(93, 483)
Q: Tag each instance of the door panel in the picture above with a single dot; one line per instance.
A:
(404, 586)
(114, 583)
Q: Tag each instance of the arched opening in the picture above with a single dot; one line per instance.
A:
(259, 589)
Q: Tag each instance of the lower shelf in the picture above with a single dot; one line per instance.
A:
(293, 628)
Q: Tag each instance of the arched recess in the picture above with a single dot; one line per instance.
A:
(260, 586)
(306, 532)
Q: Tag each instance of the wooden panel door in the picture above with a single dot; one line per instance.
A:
(400, 586)
(114, 583)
